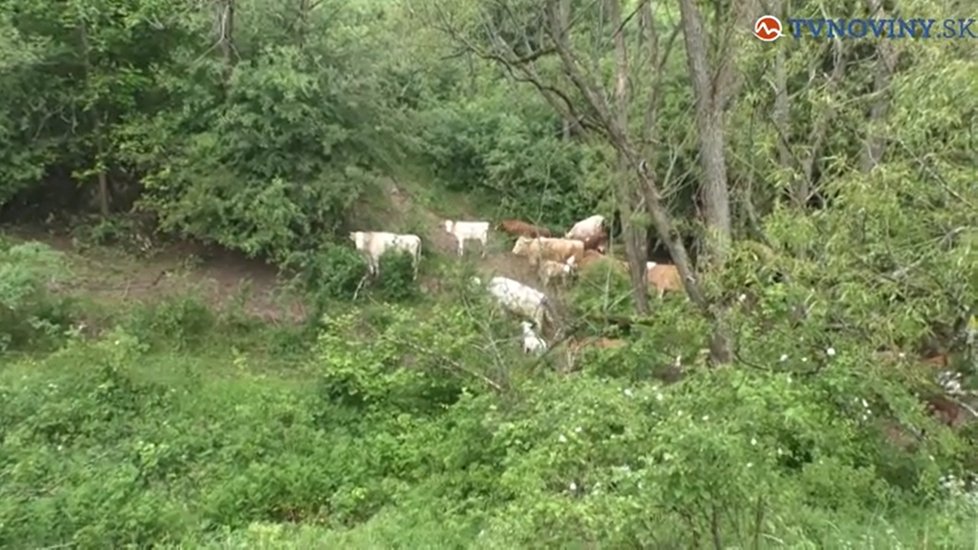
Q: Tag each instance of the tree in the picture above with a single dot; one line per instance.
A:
(577, 89)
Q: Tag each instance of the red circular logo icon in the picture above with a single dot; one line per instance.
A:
(767, 28)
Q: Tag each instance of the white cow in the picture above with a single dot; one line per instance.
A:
(520, 299)
(588, 228)
(468, 231)
(531, 342)
(375, 243)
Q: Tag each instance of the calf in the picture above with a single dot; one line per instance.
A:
(550, 270)
(664, 277)
(520, 299)
(465, 231)
(558, 250)
(519, 228)
(375, 243)
(531, 342)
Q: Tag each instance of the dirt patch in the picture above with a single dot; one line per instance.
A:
(221, 278)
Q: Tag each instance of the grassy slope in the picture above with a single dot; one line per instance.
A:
(213, 388)
(216, 383)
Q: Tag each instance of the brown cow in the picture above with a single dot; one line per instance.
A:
(519, 228)
(664, 277)
(946, 410)
(590, 257)
(937, 361)
(576, 347)
(597, 242)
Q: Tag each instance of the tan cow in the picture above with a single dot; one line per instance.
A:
(542, 248)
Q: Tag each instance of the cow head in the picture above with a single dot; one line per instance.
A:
(357, 237)
(522, 246)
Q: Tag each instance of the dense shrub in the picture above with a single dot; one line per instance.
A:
(178, 321)
(28, 312)
(145, 448)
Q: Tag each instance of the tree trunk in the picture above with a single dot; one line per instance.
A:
(102, 177)
(781, 117)
(885, 63)
(634, 248)
(605, 117)
(563, 19)
(711, 128)
(224, 33)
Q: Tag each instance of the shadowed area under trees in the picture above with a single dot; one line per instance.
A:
(194, 354)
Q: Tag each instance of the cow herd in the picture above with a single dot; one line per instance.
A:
(555, 260)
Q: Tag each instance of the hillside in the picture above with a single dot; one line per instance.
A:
(220, 277)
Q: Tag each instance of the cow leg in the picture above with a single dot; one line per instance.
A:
(483, 249)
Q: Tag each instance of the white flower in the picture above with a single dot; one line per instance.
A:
(572, 486)
(753, 441)
(830, 352)
(627, 392)
(784, 357)
(562, 439)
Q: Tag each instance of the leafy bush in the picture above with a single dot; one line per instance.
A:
(396, 280)
(124, 232)
(227, 185)
(27, 310)
(602, 287)
(179, 321)
(329, 273)
(506, 144)
(410, 420)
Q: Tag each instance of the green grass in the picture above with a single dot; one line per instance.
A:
(221, 431)
(186, 427)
